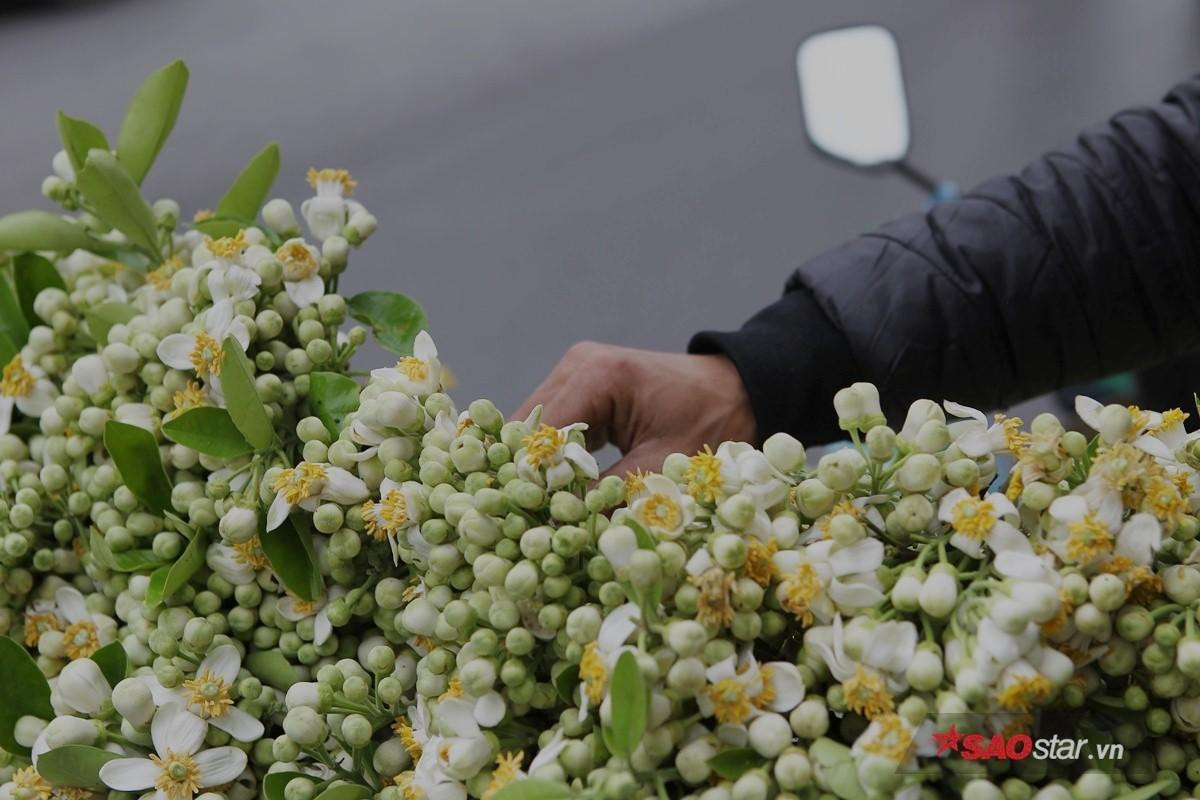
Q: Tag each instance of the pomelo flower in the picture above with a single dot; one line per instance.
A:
(976, 438)
(661, 508)
(25, 388)
(740, 688)
(418, 375)
(307, 485)
(326, 214)
(208, 695)
(400, 510)
(239, 563)
(819, 579)
(230, 277)
(548, 458)
(85, 632)
(201, 352)
(508, 766)
(178, 769)
(871, 682)
(294, 609)
(600, 656)
(301, 264)
(977, 522)
(90, 373)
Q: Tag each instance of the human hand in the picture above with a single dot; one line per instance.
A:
(648, 404)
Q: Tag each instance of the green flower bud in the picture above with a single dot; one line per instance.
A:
(840, 470)
(962, 472)
(810, 719)
(814, 498)
(919, 473)
(784, 452)
(304, 726)
(729, 550)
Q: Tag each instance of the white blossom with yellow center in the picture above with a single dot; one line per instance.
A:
(975, 436)
(23, 387)
(872, 680)
(207, 695)
(239, 563)
(200, 352)
(740, 688)
(600, 656)
(229, 262)
(294, 609)
(819, 579)
(85, 632)
(178, 769)
(977, 522)
(328, 212)
(308, 484)
(418, 375)
(399, 512)
(549, 458)
(301, 264)
(662, 508)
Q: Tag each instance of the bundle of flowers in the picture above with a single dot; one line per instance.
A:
(233, 567)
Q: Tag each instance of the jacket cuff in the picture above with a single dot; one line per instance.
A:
(792, 360)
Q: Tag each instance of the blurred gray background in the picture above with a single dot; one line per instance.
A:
(546, 171)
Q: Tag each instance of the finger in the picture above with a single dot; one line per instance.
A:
(543, 392)
(648, 457)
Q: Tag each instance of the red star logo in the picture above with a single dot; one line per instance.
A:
(947, 740)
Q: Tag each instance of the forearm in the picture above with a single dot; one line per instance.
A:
(1086, 263)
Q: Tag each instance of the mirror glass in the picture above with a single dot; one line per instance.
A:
(852, 95)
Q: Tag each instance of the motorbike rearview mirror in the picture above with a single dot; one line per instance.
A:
(852, 95)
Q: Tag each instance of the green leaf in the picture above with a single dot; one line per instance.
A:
(208, 430)
(290, 552)
(566, 683)
(114, 196)
(12, 319)
(113, 661)
(732, 764)
(126, 560)
(166, 581)
(249, 191)
(79, 137)
(75, 765)
(241, 397)
(41, 230)
(274, 783)
(32, 273)
(394, 318)
(1148, 791)
(135, 453)
(644, 540)
(629, 706)
(331, 397)
(345, 791)
(219, 227)
(534, 789)
(150, 118)
(101, 319)
(23, 692)
(8, 348)
(270, 667)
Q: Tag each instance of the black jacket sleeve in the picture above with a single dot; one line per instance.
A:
(1084, 264)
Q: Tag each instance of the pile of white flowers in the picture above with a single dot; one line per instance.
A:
(233, 567)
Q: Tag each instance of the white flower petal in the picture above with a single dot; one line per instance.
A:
(129, 774)
(71, 605)
(490, 709)
(306, 292)
(220, 765)
(175, 729)
(223, 662)
(176, 350)
(90, 373)
(278, 512)
(238, 724)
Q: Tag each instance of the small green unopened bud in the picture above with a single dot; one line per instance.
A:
(729, 550)
(814, 498)
(840, 470)
(881, 443)
(785, 452)
(939, 592)
(962, 472)
(919, 473)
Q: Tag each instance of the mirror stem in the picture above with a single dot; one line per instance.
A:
(916, 176)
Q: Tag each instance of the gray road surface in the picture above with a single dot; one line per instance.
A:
(551, 170)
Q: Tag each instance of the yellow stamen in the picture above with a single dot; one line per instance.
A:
(635, 482)
(593, 673)
(384, 518)
(250, 554)
(973, 518)
(766, 690)
(407, 737)
(192, 396)
(1062, 617)
(209, 693)
(542, 446)
(703, 476)
(30, 785)
(161, 278)
(760, 562)
(1170, 418)
(37, 623)
(843, 507)
(508, 769)
(1025, 692)
(408, 786)
(206, 355)
(15, 380)
(202, 214)
(453, 689)
(660, 511)
(799, 590)
(713, 604)
(1163, 500)
(304, 608)
(1088, 539)
(228, 246)
(1016, 441)
(327, 175)
(81, 639)
(297, 260)
(1015, 486)
(892, 740)
(1140, 418)
(178, 777)
(866, 693)
(731, 702)
(300, 483)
